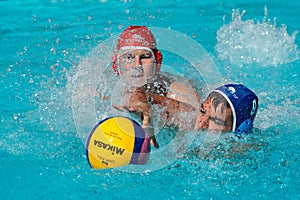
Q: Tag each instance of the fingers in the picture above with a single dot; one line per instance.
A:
(143, 110)
(196, 127)
(138, 103)
(150, 132)
(145, 120)
(201, 123)
(154, 142)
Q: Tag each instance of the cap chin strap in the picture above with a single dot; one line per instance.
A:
(244, 128)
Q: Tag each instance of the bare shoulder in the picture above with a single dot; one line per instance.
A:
(181, 90)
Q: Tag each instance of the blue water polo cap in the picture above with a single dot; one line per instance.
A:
(243, 103)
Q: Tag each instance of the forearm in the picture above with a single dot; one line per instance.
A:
(169, 104)
(173, 113)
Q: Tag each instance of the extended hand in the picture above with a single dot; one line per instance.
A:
(138, 103)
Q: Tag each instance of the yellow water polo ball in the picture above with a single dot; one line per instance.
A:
(115, 142)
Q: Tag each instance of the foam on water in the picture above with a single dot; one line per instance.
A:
(249, 42)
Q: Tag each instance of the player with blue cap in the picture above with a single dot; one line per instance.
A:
(231, 107)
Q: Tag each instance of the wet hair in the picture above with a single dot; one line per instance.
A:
(217, 99)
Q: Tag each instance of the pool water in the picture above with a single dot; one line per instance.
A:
(44, 46)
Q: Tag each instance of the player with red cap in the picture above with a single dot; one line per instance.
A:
(137, 37)
(137, 58)
(138, 61)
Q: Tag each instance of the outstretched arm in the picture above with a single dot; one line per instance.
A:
(170, 104)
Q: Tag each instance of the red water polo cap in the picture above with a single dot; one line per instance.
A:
(137, 36)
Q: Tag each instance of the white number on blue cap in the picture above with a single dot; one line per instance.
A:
(254, 106)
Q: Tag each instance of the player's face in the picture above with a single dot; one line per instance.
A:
(137, 64)
(212, 118)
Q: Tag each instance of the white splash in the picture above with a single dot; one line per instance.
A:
(246, 42)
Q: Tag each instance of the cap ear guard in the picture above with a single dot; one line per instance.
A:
(158, 58)
(244, 128)
(114, 62)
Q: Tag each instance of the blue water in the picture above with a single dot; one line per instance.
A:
(43, 157)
